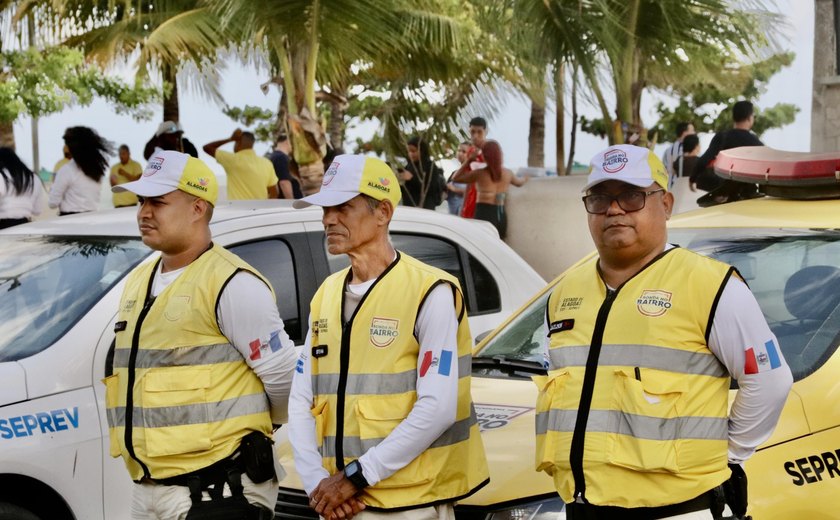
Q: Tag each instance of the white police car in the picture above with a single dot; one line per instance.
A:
(60, 283)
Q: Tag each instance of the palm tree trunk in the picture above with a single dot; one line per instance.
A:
(573, 132)
(560, 116)
(336, 123)
(7, 134)
(625, 68)
(170, 97)
(536, 134)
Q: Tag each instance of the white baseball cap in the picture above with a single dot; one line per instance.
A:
(351, 175)
(168, 171)
(168, 127)
(627, 163)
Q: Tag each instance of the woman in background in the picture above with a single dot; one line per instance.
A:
(77, 184)
(421, 176)
(21, 191)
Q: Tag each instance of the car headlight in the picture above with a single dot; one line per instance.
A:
(547, 509)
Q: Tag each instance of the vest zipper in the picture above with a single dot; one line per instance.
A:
(129, 400)
(579, 435)
(344, 367)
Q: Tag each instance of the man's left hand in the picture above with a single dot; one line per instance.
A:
(330, 493)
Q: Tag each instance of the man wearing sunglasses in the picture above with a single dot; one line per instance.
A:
(632, 418)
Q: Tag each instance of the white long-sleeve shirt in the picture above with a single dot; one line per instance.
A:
(433, 412)
(73, 191)
(738, 325)
(248, 316)
(21, 205)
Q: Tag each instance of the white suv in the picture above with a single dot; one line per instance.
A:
(60, 284)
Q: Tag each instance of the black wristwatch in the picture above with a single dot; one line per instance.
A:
(353, 472)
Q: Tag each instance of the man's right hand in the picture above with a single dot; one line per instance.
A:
(236, 135)
(347, 510)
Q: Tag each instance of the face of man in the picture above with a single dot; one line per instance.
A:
(413, 153)
(463, 150)
(124, 156)
(630, 235)
(163, 221)
(478, 135)
(351, 225)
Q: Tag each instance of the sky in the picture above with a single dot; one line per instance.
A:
(204, 121)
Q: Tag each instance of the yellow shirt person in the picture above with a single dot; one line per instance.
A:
(127, 170)
(249, 176)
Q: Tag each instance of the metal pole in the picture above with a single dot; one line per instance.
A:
(36, 160)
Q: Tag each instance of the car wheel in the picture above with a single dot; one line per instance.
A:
(13, 512)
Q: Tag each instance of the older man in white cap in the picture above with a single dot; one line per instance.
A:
(642, 342)
(381, 416)
(202, 365)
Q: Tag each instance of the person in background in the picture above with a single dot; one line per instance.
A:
(21, 192)
(743, 118)
(202, 363)
(279, 157)
(169, 136)
(422, 180)
(455, 190)
(690, 156)
(127, 170)
(675, 150)
(61, 162)
(77, 184)
(380, 413)
(644, 339)
(249, 176)
(475, 159)
(492, 183)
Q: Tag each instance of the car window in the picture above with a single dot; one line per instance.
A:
(480, 288)
(273, 259)
(47, 283)
(794, 275)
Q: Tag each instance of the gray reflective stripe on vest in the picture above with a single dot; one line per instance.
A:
(179, 356)
(163, 416)
(355, 447)
(638, 426)
(379, 384)
(644, 356)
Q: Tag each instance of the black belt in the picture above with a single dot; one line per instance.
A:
(577, 511)
(215, 472)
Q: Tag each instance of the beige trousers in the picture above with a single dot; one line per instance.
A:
(439, 512)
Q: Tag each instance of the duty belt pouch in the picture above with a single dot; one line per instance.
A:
(257, 457)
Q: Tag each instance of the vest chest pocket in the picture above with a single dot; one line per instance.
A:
(175, 411)
(319, 413)
(549, 419)
(644, 427)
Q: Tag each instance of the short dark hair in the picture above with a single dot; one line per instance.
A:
(248, 138)
(479, 121)
(690, 143)
(282, 138)
(741, 111)
(124, 147)
(682, 127)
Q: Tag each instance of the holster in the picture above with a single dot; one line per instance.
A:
(257, 456)
(735, 491)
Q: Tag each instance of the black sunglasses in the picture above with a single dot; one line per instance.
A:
(632, 200)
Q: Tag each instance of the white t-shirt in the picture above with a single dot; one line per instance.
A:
(435, 410)
(73, 191)
(21, 205)
(247, 313)
(739, 324)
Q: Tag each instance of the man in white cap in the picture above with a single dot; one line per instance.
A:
(169, 136)
(380, 415)
(202, 365)
(632, 418)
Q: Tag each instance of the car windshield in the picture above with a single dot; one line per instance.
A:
(47, 283)
(794, 274)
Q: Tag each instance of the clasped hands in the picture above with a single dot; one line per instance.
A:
(335, 498)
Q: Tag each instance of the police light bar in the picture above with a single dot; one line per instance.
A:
(798, 175)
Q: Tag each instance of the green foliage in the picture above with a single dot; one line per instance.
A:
(249, 115)
(39, 83)
(707, 104)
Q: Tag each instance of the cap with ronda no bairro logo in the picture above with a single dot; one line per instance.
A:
(350, 175)
(627, 163)
(168, 171)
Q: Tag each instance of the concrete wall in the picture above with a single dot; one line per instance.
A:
(825, 108)
(547, 224)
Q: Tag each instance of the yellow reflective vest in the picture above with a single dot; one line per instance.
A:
(181, 396)
(634, 410)
(364, 375)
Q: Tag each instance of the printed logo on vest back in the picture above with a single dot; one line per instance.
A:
(383, 331)
(654, 302)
